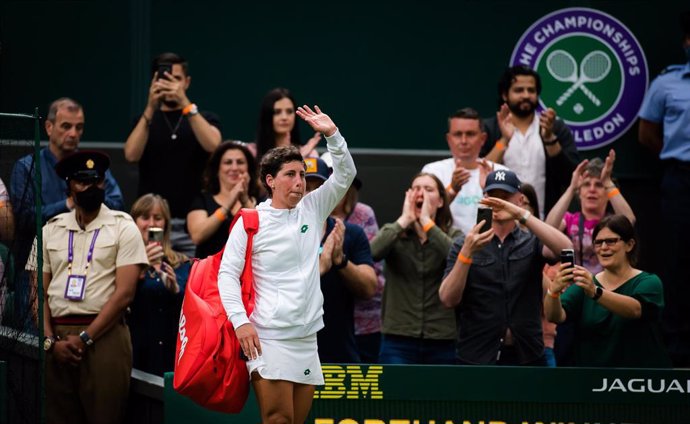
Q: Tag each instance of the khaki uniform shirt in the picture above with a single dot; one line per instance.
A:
(119, 243)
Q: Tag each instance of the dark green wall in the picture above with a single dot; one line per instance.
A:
(388, 72)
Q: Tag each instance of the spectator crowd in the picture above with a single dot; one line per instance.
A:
(445, 283)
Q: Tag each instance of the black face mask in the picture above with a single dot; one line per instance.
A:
(90, 199)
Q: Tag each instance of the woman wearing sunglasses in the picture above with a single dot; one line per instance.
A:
(616, 312)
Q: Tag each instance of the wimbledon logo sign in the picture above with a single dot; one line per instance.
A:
(593, 72)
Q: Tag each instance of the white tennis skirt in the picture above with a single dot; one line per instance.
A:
(295, 360)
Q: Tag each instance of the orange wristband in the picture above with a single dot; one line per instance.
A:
(613, 193)
(500, 145)
(450, 190)
(429, 225)
(551, 294)
(220, 214)
(464, 259)
(188, 108)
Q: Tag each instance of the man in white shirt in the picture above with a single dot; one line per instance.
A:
(464, 174)
(537, 146)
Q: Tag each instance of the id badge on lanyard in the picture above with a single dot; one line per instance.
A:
(76, 284)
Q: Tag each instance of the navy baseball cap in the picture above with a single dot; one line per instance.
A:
(316, 168)
(502, 180)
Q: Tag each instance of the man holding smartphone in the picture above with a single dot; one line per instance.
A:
(493, 279)
(171, 141)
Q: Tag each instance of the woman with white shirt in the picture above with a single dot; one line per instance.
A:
(279, 337)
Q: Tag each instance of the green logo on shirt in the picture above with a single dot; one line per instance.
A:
(304, 228)
(307, 372)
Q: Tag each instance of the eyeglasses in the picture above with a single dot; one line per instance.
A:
(609, 241)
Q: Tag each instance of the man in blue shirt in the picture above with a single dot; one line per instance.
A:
(665, 128)
(64, 126)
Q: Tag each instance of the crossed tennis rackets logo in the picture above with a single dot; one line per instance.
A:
(594, 71)
(563, 67)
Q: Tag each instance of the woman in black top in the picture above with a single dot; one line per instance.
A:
(278, 127)
(231, 184)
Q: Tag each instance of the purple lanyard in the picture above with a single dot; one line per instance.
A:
(70, 251)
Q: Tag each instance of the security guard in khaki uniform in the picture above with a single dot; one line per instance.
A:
(92, 259)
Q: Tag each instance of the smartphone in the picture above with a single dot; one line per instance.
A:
(155, 234)
(568, 255)
(162, 69)
(484, 214)
(243, 356)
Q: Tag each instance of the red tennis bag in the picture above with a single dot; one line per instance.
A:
(208, 368)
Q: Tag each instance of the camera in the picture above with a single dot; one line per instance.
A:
(162, 69)
(568, 255)
(155, 234)
(485, 214)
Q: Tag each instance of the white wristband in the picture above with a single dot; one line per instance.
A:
(523, 219)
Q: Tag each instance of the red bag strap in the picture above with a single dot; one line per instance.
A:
(250, 219)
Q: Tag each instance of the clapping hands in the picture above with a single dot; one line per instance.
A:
(332, 249)
(505, 123)
(607, 169)
(460, 176)
(546, 120)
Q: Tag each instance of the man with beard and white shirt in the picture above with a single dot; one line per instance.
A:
(464, 174)
(172, 141)
(538, 147)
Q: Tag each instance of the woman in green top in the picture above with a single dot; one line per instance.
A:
(617, 311)
(416, 328)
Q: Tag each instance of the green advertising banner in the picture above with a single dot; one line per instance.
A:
(397, 394)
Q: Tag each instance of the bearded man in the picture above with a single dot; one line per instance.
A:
(537, 146)
(171, 142)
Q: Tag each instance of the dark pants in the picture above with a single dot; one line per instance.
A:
(675, 229)
(96, 390)
(369, 346)
(413, 350)
(509, 357)
(564, 344)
